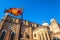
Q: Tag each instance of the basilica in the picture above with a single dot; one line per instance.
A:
(11, 29)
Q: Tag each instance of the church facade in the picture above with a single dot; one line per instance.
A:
(11, 29)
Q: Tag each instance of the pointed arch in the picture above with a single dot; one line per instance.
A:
(3, 34)
(12, 35)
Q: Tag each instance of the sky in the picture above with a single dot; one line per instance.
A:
(34, 10)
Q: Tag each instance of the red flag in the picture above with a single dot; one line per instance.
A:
(15, 11)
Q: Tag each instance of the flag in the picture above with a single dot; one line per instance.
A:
(15, 11)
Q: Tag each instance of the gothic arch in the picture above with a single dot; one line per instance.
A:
(12, 35)
(3, 34)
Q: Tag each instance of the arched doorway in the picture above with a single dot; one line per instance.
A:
(12, 36)
(2, 35)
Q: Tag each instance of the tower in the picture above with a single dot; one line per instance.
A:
(9, 27)
(54, 27)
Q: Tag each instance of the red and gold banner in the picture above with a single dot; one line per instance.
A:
(14, 11)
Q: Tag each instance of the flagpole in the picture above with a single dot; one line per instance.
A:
(20, 24)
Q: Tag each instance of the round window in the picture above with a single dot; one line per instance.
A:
(10, 27)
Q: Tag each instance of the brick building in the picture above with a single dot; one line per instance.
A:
(10, 28)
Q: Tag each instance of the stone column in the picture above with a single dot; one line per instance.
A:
(16, 30)
(31, 34)
(7, 36)
(48, 36)
(41, 36)
(24, 35)
(44, 36)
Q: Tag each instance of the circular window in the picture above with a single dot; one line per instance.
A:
(10, 27)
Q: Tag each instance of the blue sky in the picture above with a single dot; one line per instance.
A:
(34, 10)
